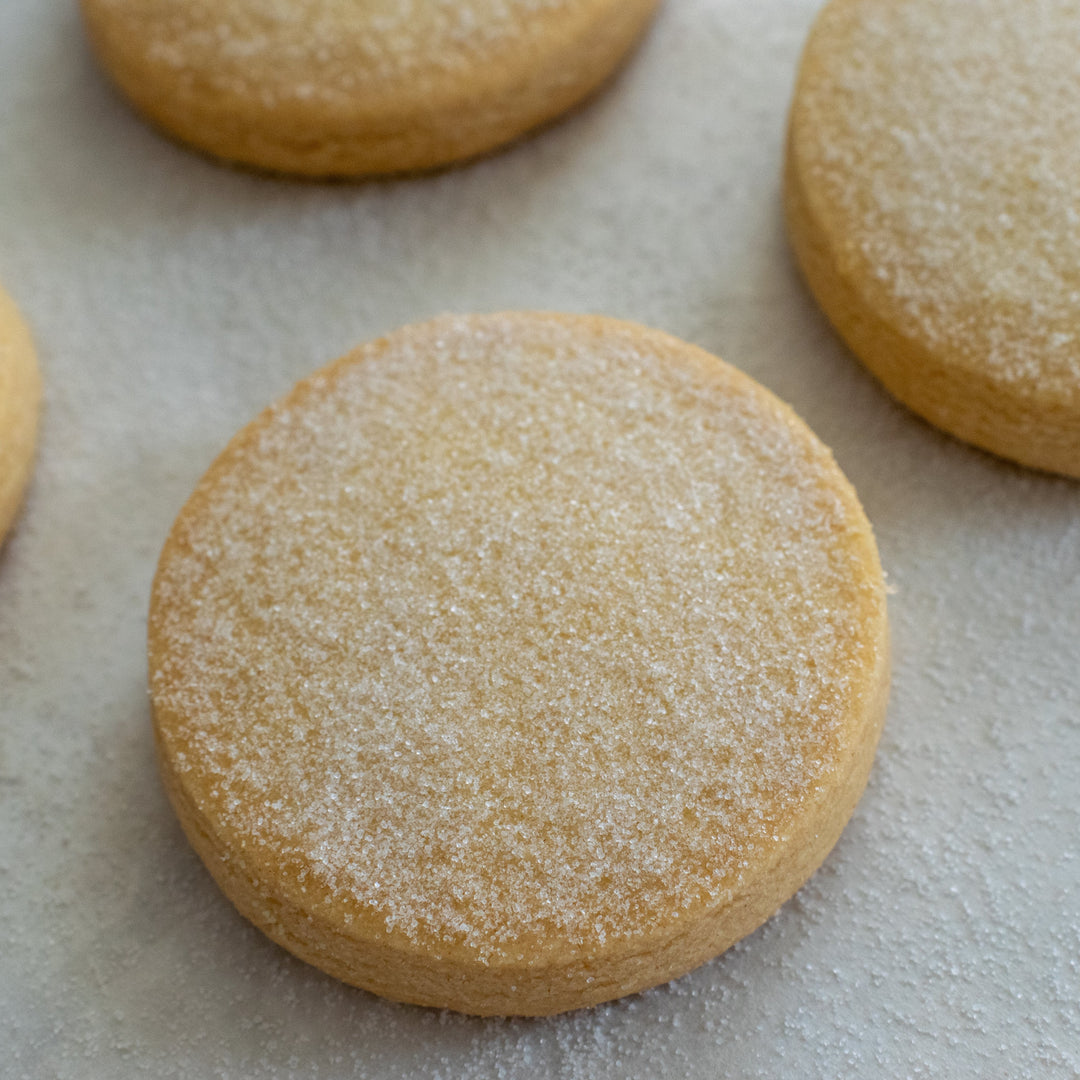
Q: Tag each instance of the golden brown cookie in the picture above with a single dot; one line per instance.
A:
(354, 87)
(514, 663)
(20, 393)
(932, 167)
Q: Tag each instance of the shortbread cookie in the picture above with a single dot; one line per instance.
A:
(353, 87)
(932, 168)
(20, 391)
(515, 663)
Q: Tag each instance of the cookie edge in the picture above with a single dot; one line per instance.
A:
(19, 412)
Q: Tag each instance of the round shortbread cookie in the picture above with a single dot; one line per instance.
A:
(932, 165)
(20, 394)
(514, 663)
(355, 87)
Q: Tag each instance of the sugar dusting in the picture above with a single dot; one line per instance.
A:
(500, 636)
(321, 49)
(945, 137)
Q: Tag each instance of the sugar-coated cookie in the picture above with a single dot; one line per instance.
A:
(931, 192)
(514, 663)
(20, 393)
(354, 87)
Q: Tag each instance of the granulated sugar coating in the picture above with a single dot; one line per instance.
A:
(933, 158)
(513, 663)
(348, 87)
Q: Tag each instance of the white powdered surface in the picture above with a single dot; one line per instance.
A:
(172, 299)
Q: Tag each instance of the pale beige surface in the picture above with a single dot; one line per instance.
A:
(931, 197)
(20, 392)
(350, 87)
(515, 663)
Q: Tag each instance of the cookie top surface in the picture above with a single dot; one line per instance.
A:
(515, 634)
(938, 142)
(324, 48)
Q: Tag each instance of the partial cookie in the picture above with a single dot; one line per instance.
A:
(515, 663)
(20, 393)
(353, 87)
(931, 193)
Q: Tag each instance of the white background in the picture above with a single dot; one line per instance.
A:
(171, 298)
